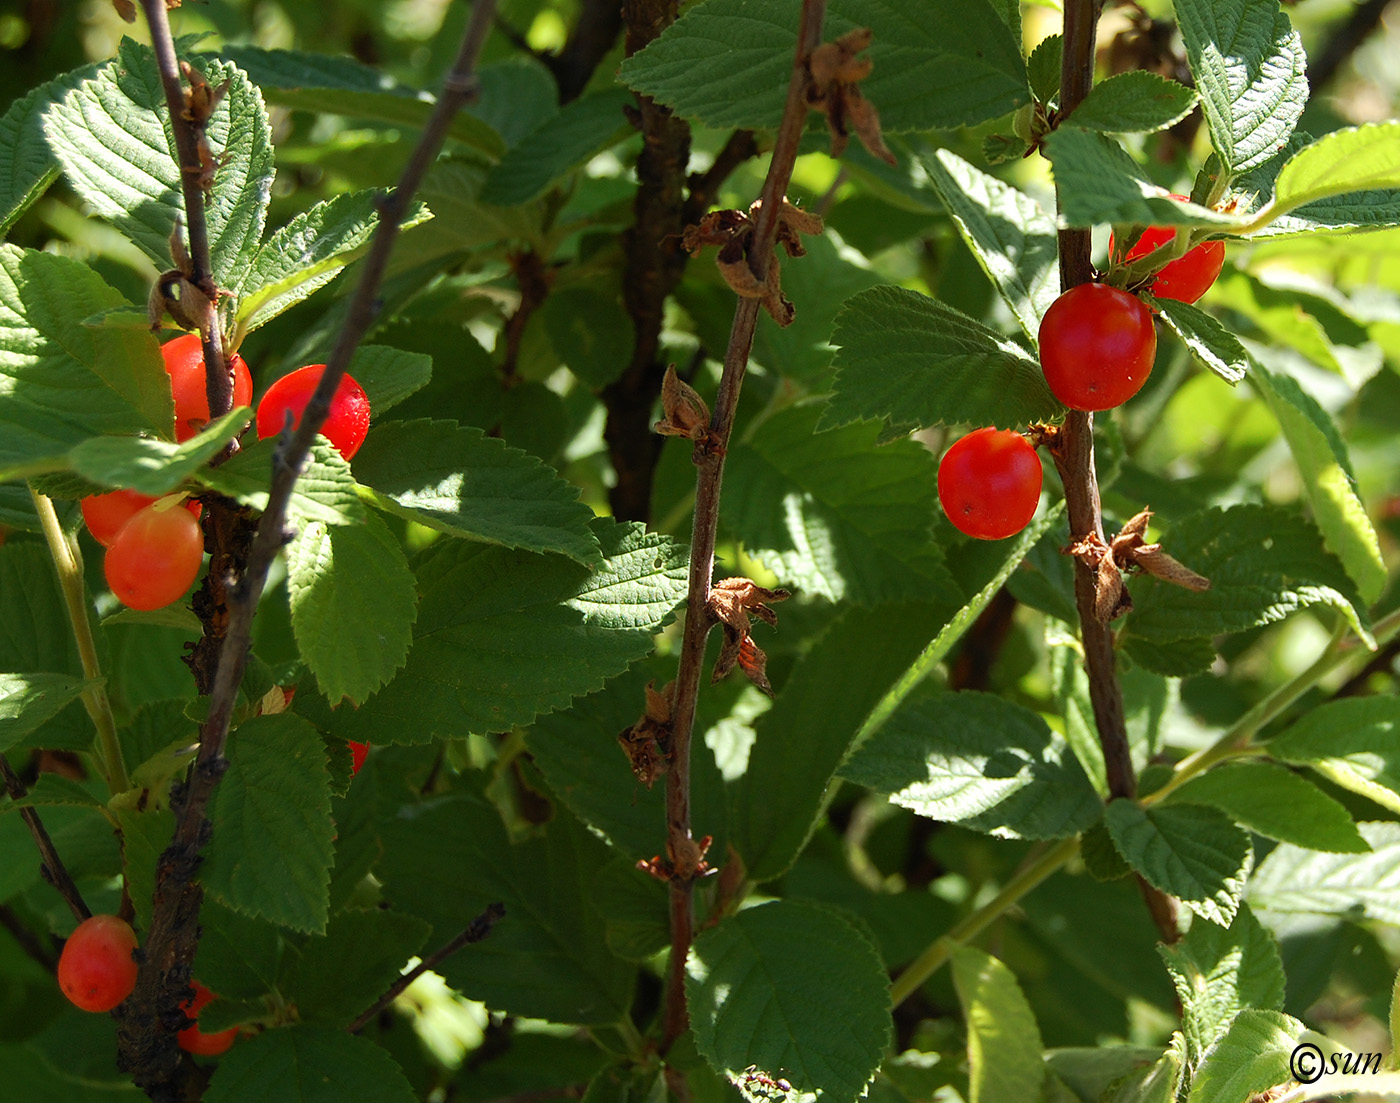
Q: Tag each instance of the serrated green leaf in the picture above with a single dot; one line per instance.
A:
(1328, 482)
(389, 375)
(325, 492)
(111, 135)
(458, 480)
(1353, 742)
(308, 1064)
(1220, 971)
(913, 361)
(48, 789)
(561, 144)
(150, 466)
(727, 62)
(1353, 159)
(1012, 238)
(239, 957)
(503, 636)
(1211, 343)
(978, 760)
(307, 253)
(343, 580)
(1249, 66)
(270, 854)
(445, 860)
(28, 701)
(1264, 562)
(344, 86)
(1250, 1058)
(27, 168)
(856, 519)
(339, 974)
(1277, 803)
(757, 1005)
(1172, 658)
(1003, 1041)
(1191, 851)
(1043, 68)
(65, 382)
(1133, 103)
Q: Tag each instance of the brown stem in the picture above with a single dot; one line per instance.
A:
(146, 1035)
(709, 480)
(1073, 453)
(593, 36)
(476, 930)
(55, 872)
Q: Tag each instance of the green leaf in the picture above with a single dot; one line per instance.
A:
(757, 1004)
(27, 168)
(1353, 159)
(1117, 1073)
(145, 835)
(589, 329)
(308, 1064)
(1264, 562)
(633, 905)
(48, 790)
(1354, 742)
(557, 147)
(726, 63)
(353, 606)
(913, 361)
(111, 135)
(1328, 481)
(270, 854)
(1043, 67)
(30, 1075)
(1211, 343)
(503, 636)
(1191, 851)
(855, 521)
(1012, 238)
(307, 253)
(1174, 659)
(343, 86)
(1133, 103)
(150, 466)
(1218, 972)
(28, 701)
(389, 375)
(325, 492)
(239, 957)
(1251, 1057)
(981, 761)
(446, 859)
(1003, 1041)
(1273, 801)
(339, 974)
(1249, 66)
(458, 480)
(63, 381)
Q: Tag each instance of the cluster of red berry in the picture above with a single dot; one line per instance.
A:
(1097, 345)
(97, 971)
(154, 548)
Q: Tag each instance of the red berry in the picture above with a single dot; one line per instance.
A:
(989, 483)
(1097, 345)
(184, 360)
(345, 426)
(1189, 276)
(192, 1039)
(96, 970)
(358, 752)
(105, 514)
(155, 557)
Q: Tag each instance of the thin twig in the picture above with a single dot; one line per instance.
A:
(147, 1044)
(55, 872)
(709, 480)
(476, 930)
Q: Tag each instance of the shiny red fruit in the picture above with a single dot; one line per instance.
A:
(345, 426)
(154, 558)
(1097, 345)
(1188, 277)
(358, 753)
(192, 1039)
(989, 483)
(105, 514)
(184, 360)
(96, 970)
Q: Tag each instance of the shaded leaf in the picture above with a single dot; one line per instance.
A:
(561, 144)
(308, 1064)
(1354, 886)
(28, 701)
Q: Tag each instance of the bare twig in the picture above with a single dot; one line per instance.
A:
(55, 872)
(147, 1035)
(707, 495)
(476, 930)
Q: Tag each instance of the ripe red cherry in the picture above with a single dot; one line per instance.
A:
(345, 426)
(192, 1039)
(989, 483)
(155, 557)
(105, 514)
(1189, 276)
(184, 360)
(96, 970)
(1097, 345)
(358, 753)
